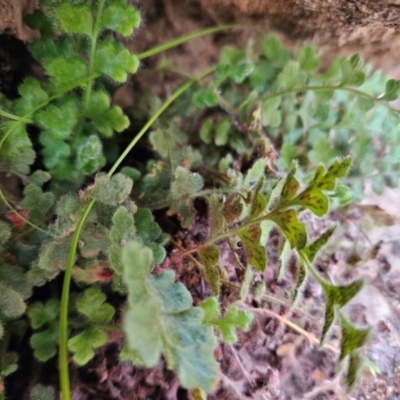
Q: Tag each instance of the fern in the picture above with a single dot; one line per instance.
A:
(105, 233)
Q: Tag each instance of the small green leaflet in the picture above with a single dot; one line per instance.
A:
(76, 18)
(258, 203)
(106, 119)
(60, 120)
(185, 184)
(120, 18)
(41, 313)
(290, 186)
(227, 324)
(301, 280)
(93, 305)
(83, 344)
(45, 343)
(32, 95)
(65, 73)
(114, 60)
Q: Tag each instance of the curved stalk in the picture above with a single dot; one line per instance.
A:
(184, 39)
(63, 338)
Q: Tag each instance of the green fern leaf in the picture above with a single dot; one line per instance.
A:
(120, 18)
(45, 343)
(227, 324)
(92, 304)
(41, 313)
(106, 119)
(74, 18)
(60, 120)
(83, 344)
(114, 60)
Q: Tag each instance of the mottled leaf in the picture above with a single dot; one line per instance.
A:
(256, 254)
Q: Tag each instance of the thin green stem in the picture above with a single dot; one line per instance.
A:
(320, 89)
(93, 46)
(63, 338)
(184, 39)
(8, 205)
(5, 114)
(156, 115)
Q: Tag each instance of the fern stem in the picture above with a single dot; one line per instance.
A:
(93, 46)
(322, 89)
(63, 321)
(5, 114)
(184, 39)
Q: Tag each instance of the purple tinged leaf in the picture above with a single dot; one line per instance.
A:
(210, 256)
(232, 208)
(256, 254)
(294, 230)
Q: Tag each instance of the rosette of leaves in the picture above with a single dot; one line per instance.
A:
(75, 54)
(313, 117)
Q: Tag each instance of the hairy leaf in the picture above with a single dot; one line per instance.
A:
(294, 230)
(233, 208)
(83, 344)
(355, 364)
(120, 18)
(114, 60)
(65, 72)
(93, 304)
(37, 202)
(112, 191)
(59, 120)
(185, 184)
(74, 18)
(215, 216)
(12, 304)
(106, 119)
(160, 308)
